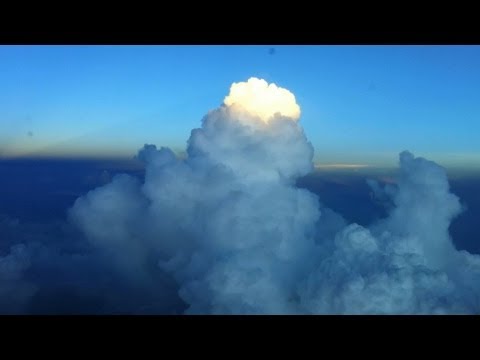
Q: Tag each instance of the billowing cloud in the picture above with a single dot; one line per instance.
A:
(263, 100)
(404, 264)
(50, 268)
(238, 236)
(227, 230)
(196, 213)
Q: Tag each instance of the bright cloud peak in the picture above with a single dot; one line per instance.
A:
(262, 99)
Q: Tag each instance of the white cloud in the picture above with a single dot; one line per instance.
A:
(229, 224)
(264, 100)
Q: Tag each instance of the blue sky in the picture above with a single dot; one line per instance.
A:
(360, 104)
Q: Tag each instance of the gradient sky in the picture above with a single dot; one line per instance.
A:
(360, 104)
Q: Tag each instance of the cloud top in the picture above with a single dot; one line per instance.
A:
(263, 100)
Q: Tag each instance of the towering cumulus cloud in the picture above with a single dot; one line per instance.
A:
(230, 226)
(404, 264)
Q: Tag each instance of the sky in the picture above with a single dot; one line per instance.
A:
(359, 104)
